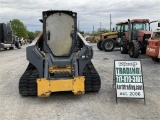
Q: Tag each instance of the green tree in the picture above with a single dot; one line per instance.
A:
(31, 35)
(102, 30)
(19, 29)
(99, 31)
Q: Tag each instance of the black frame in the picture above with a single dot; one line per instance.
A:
(74, 39)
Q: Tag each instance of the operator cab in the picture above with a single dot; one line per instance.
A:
(60, 30)
(121, 28)
(137, 26)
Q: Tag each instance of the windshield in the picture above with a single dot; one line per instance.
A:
(118, 27)
(125, 27)
(141, 26)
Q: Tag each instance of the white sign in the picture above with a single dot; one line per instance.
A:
(128, 79)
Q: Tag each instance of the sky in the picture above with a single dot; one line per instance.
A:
(89, 12)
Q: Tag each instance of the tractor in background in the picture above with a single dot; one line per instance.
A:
(135, 39)
(153, 47)
(95, 39)
(92, 39)
(108, 41)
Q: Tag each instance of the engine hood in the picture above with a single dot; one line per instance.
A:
(142, 32)
(109, 33)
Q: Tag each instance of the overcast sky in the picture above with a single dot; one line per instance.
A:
(90, 12)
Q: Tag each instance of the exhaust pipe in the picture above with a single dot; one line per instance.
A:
(129, 32)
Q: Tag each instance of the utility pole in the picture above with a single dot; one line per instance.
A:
(93, 30)
(100, 26)
(110, 22)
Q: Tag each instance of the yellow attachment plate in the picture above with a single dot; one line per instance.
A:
(45, 86)
(54, 69)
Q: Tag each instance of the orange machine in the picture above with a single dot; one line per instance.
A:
(153, 47)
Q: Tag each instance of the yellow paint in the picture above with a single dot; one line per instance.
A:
(45, 86)
(95, 39)
(109, 35)
(78, 85)
(113, 36)
(54, 69)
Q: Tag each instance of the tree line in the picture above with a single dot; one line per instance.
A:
(96, 32)
(20, 30)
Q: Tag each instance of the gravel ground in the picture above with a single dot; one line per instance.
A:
(66, 106)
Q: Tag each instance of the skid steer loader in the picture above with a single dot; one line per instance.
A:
(153, 47)
(60, 60)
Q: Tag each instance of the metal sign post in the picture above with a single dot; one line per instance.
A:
(128, 79)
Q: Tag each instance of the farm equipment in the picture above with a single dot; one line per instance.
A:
(153, 47)
(91, 39)
(111, 40)
(7, 39)
(135, 40)
(95, 39)
(60, 60)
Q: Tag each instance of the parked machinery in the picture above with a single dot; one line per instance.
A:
(135, 40)
(110, 40)
(7, 38)
(153, 47)
(92, 39)
(95, 39)
(60, 60)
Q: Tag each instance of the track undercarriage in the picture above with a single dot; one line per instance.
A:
(28, 84)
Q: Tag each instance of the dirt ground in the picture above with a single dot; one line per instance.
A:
(66, 106)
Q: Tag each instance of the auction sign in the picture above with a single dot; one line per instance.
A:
(128, 79)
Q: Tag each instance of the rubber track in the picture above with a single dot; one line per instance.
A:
(27, 83)
(92, 79)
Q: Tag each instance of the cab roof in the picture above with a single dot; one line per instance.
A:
(139, 20)
(119, 23)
